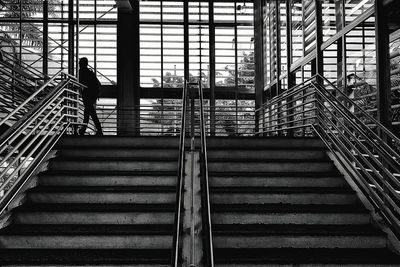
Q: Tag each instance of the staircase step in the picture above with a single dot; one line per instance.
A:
(279, 166)
(103, 194)
(115, 153)
(288, 214)
(87, 229)
(285, 195)
(94, 214)
(119, 142)
(272, 160)
(70, 178)
(113, 165)
(87, 236)
(86, 257)
(258, 142)
(267, 154)
(297, 236)
(294, 229)
(286, 190)
(305, 257)
(173, 142)
(277, 180)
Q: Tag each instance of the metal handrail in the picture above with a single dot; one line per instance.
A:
(293, 91)
(381, 127)
(22, 68)
(356, 127)
(40, 90)
(370, 157)
(10, 72)
(374, 173)
(206, 190)
(31, 97)
(179, 188)
(30, 139)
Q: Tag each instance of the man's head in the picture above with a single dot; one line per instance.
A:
(83, 62)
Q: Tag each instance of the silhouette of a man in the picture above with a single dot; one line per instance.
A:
(89, 95)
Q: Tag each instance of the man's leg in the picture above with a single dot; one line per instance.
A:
(95, 119)
(86, 114)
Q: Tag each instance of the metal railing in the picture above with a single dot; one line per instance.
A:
(318, 108)
(22, 87)
(179, 188)
(207, 228)
(165, 119)
(194, 115)
(17, 83)
(30, 138)
(22, 68)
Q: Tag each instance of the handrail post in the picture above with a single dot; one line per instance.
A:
(205, 190)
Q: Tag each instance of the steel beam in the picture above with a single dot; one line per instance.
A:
(45, 37)
(128, 76)
(382, 64)
(258, 56)
(71, 36)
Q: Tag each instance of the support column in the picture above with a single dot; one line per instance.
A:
(291, 79)
(212, 67)
(128, 65)
(71, 37)
(289, 48)
(382, 64)
(186, 40)
(319, 38)
(278, 47)
(341, 46)
(45, 37)
(259, 58)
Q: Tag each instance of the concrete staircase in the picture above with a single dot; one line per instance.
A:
(104, 201)
(109, 201)
(282, 202)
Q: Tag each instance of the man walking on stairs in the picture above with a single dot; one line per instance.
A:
(89, 95)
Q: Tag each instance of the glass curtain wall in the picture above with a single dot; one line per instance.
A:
(162, 44)
(222, 30)
(41, 39)
(88, 27)
(349, 61)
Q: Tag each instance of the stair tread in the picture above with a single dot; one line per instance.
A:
(301, 255)
(84, 256)
(111, 159)
(283, 190)
(87, 229)
(275, 174)
(109, 173)
(294, 229)
(103, 189)
(95, 207)
(288, 208)
(305, 148)
(277, 160)
(106, 148)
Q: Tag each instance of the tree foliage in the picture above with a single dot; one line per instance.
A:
(231, 117)
(29, 34)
